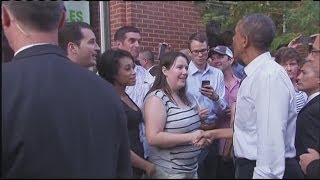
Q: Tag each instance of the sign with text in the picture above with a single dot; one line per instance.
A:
(77, 11)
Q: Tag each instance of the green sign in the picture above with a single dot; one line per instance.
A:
(77, 11)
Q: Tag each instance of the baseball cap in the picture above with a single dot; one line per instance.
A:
(223, 50)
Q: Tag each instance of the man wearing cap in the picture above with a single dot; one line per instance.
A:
(222, 58)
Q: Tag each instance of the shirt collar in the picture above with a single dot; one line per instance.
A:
(28, 46)
(150, 68)
(193, 69)
(254, 64)
(312, 96)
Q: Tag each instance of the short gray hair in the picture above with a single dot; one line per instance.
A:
(39, 15)
(260, 30)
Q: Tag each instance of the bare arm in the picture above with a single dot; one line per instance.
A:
(141, 163)
(155, 120)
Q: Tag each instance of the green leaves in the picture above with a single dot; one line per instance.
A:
(291, 18)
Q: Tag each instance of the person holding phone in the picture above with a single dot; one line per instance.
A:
(210, 97)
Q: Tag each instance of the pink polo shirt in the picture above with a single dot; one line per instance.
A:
(231, 90)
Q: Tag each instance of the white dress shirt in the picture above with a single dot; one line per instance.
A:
(28, 46)
(215, 76)
(265, 119)
(312, 96)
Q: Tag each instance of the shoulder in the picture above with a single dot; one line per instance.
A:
(215, 72)
(157, 93)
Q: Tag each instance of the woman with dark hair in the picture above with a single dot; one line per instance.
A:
(116, 66)
(172, 121)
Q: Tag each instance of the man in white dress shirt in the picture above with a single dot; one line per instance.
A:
(265, 119)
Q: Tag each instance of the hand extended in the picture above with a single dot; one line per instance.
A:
(202, 139)
(307, 158)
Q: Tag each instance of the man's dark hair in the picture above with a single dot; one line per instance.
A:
(198, 36)
(260, 30)
(120, 34)
(71, 32)
(108, 63)
(148, 54)
(39, 15)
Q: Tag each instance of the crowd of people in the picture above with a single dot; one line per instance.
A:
(206, 112)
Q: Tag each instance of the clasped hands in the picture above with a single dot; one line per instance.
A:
(201, 138)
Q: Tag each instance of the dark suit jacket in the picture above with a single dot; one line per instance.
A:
(313, 169)
(60, 120)
(308, 127)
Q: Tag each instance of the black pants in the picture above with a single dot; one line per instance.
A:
(244, 169)
(207, 168)
(225, 169)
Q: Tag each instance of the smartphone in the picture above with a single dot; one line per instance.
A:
(305, 40)
(205, 82)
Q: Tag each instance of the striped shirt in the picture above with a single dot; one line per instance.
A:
(181, 158)
(301, 98)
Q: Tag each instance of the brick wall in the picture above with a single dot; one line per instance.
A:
(164, 21)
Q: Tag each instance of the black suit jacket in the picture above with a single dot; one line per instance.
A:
(60, 120)
(313, 169)
(308, 127)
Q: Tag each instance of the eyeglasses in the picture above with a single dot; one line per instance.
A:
(202, 51)
(313, 50)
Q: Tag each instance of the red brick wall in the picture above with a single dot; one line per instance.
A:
(164, 21)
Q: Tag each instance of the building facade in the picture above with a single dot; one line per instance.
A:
(159, 21)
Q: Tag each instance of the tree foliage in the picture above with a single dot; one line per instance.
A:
(291, 18)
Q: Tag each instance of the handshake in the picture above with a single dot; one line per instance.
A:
(201, 138)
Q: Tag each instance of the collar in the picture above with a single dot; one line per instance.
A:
(312, 96)
(193, 69)
(259, 60)
(150, 68)
(28, 46)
